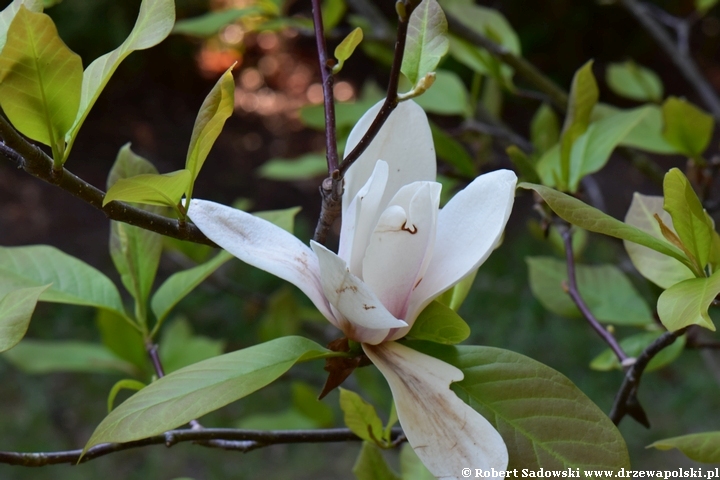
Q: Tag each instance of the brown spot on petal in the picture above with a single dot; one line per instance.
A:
(368, 307)
(412, 229)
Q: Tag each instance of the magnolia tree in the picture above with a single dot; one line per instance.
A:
(409, 245)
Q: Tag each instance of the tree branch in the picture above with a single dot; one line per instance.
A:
(572, 290)
(626, 398)
(683, 61)
(35, 162)
(249, 439)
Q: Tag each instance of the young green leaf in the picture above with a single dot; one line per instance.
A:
(584, 216)
(686, 127)
(180, 347)
(211, 23)
(411, 466)
(701, 447)
(215, 110)
(125, 384)
(648, 133)
(73, 281)
(426, 41)
(439, 323)
(8, 14)
(583, 97)
(455, 297)
(542, 416)
(370, 464)
(180, 284)
(692, 224)
(660, 269)
(154, 22)
(40, 357)
(476, 59)
(544, 129)
(634, 346)
(122, 337)
(686, 303)
(607, 291)
(346, 48)
(360, 417)
(633, 81)
(448, 95)
(333, 12)
(164, 190)
(486, 21)
(40, 80)
(201, 388)
(16, 309)
(305, 167)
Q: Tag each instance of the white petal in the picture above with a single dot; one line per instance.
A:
(353, 299)
(468, 228)
(360, 218)
(263, 245)
(445, 432)
(404, 141)
(401, 246)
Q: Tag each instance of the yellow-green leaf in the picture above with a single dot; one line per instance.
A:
(686, 303)
(7, 15)
(40, 79)
(346, 48)
(633, 81)
(701, 447)
(439, 323)
(125, 384)
(152, 189)
(426, 41)
(16, 309)
(360, 416)
(686, 127)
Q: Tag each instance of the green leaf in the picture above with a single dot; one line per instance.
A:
(545, 420)
(180, 348)
(333, 12)
(164, 190)
(122, 337)
(648, 133)
(660, 269)
(584, 216)
(439, 323)
(201, 388)
(16, 309)
(8, 14)
(210, 23)
(487, 22)
(609, 294)
(686, 303)
(38, 357)
(180, 284)
(523, 163)
(455, 297)
(447, 96)
(370, 464)
(346, 48)
(305, 167)
(701, 447)
(73, 281)
(135, 251)
(304, 399)
(633, 81)
(289, 419)
(360, 416)
(40, 79)
(126, 384)
(687, 128)
(476, 59)
(693, 226)
(704, 5)
(634, 346)
(154, 22)
(452, 152)
(281, 316)
(411, 466)
(215, 110)
(544, 129)
(426, 41)
(284, 218)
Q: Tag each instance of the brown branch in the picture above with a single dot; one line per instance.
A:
(574, 293)
(626, 398)
(242, 440)
(35, 162)
(684, 62)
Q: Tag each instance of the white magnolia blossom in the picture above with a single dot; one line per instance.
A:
(398, 252)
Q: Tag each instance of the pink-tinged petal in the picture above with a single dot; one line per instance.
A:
(360, 218)
(353, 299)
(404, 141)
(401, 246)
(263, 245)
(468, 229)
(445, 432)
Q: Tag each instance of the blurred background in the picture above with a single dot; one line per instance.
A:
(270, 156)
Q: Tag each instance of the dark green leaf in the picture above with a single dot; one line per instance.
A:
(452, 151)
(544, 129)
(122, 338)
(211, 23)
(305, 401)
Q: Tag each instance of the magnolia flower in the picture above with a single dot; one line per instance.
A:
(397, 253)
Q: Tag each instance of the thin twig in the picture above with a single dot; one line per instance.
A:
(628, 389)
(35, 162)
(252, 439)
(574, 293)
(683, 61)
